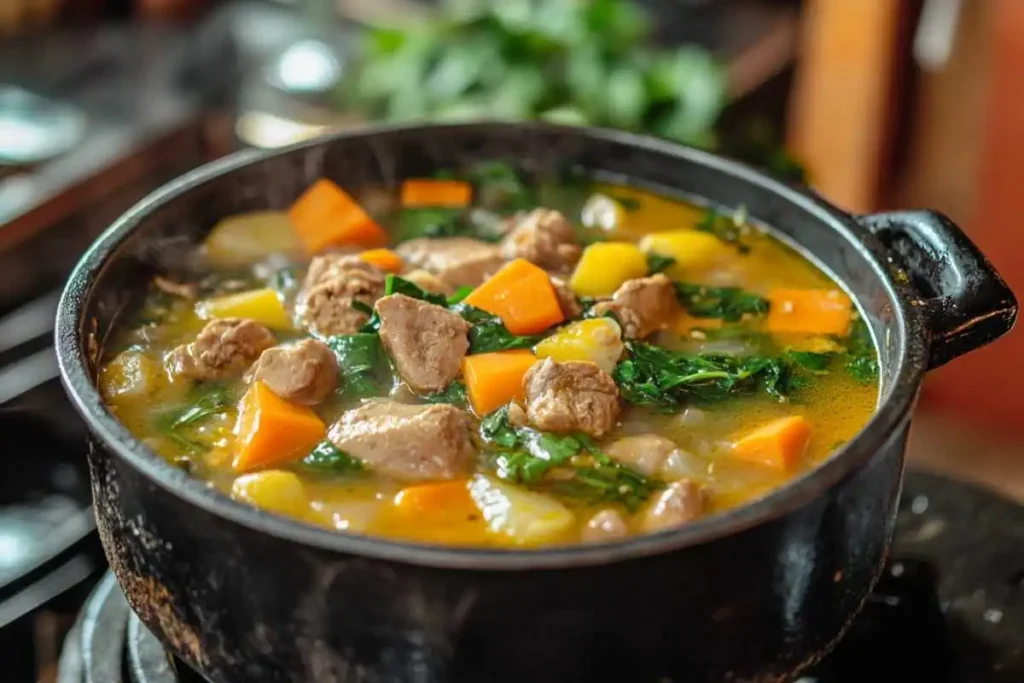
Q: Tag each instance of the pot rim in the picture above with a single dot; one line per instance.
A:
(895, 402)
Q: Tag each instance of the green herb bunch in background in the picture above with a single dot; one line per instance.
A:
(577, 62)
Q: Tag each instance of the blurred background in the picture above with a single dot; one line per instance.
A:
(877, 104)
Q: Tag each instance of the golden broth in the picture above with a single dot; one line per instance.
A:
(836, 405)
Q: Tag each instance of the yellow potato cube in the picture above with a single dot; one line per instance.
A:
(129, 376)
(604, 266)
(272, 490)
(524, 517)
(262, 305)
(693, 250)
(240, 240)
(598, 340)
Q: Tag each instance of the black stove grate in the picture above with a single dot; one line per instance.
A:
(949, 608)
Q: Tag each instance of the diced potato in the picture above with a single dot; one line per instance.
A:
(693, 250)
(262, 305)
(240, 240)
(604, 266)
(598, 340)
(273, 490)
(130, 376)
(525, 517)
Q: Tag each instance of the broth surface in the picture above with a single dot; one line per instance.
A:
(800, 379)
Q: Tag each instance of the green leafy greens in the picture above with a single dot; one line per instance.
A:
(652, 375)
(656, 263)
(364, 367)
(526, 456)
(454, 393)
(328, 458)
(206, 399)
(729, 229)
(728, 303)
(487, 333)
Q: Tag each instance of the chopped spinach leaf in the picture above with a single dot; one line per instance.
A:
(431, 222)
(728, 303)
(326, 457)
(728, 229)
(861, 355)
(396, 285)
(487, 333)
(815, 362)
(205, 400)
(362, 307)
(501, 188)
(363, 366)
(656, 263)
(454, 393)
(460, 294)
(652, 375)
(528, 455)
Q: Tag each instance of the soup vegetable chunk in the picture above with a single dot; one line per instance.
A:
(490, 358)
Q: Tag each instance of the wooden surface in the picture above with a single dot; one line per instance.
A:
(988, 386)
(843, 95)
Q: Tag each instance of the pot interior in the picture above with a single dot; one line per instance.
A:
(158, 233)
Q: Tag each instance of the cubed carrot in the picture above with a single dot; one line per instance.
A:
(436, 512)
(812, 311)
(325, 215)
(421, 193)
(521, 294)
(494, 379)
(385, 259)
(779, 444)
(271, 431)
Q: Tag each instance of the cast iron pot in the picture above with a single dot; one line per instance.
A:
(756, 594)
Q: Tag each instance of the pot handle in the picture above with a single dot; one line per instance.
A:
(968, 304)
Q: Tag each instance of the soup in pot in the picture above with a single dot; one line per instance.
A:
(488, 359)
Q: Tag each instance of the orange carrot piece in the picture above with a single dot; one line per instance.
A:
(271, 431)
(442, 500)
(325, 215)
(438, 193)
(436, 512)
(779, 444)
(494, 379)
(813, 311)
(521, 294)
(385, 259)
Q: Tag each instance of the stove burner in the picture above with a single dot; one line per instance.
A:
(949, 608)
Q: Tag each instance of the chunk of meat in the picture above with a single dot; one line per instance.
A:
(333, 265)
(407, 442)
(606, 525)
(223, 349)
(333, 282)
(567, 300)
(643, 306)
(681, 502)
(544, 237)
(574, 396)
(428, 282)
(305, 372)
(426, 341)
(651, 455)
(457, 261)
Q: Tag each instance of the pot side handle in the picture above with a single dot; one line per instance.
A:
(968, 304)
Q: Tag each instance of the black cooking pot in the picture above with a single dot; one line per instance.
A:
(754, 594)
